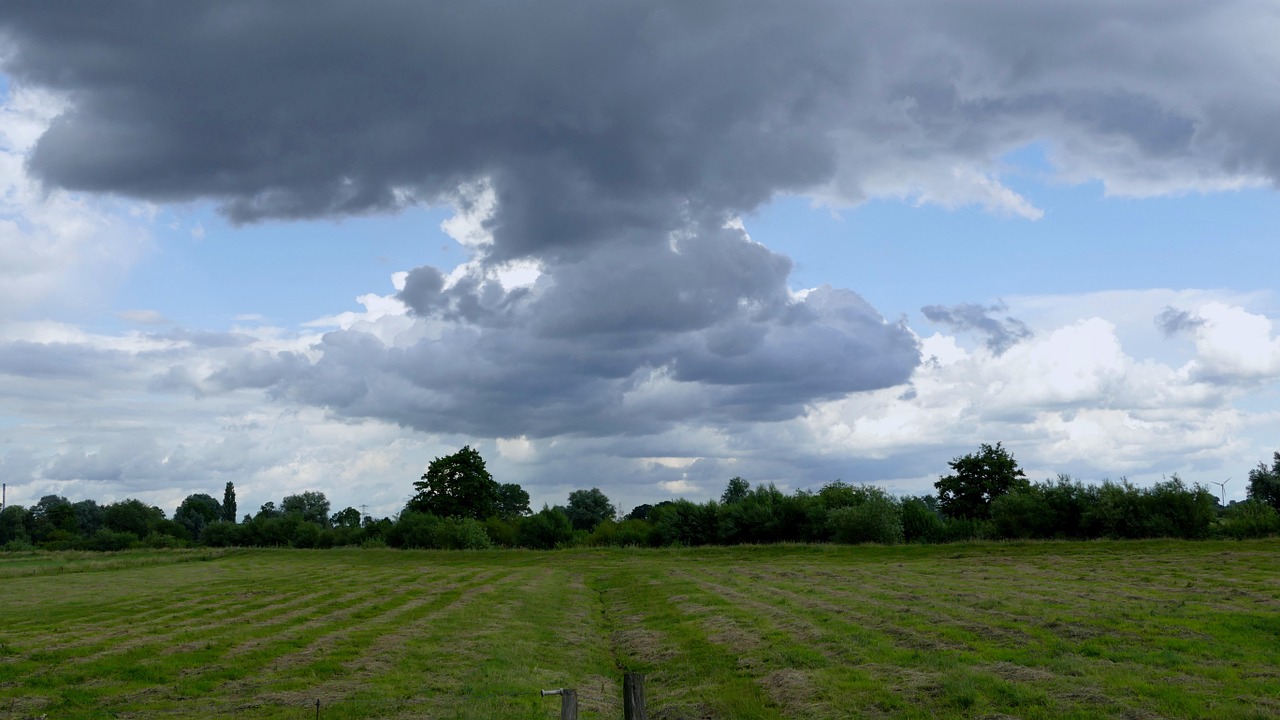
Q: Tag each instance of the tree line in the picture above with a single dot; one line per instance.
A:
(458, 505)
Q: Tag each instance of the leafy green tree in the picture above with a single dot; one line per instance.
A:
(268, 510)
(1264, 483)
(52, 518)
(640, 512)
(456, 485)
(313, 506)
(589, 508)
(229, 503)
(13, 525)
(979, 479)
(89, 517)
(513, 501)
(735, 492)
(196, 512)
(347, 517)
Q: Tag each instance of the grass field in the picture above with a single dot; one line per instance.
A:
(1037, 630)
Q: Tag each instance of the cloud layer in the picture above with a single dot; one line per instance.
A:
(601, 156)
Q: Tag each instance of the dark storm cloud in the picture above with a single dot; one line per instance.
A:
(591, 118)
(1001, 333)
(618, 138)
(629, 378)
(1173, 322)
(588, 118)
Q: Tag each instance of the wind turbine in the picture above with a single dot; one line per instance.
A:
(1222, 486)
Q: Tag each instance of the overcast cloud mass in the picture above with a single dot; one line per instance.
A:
(613, 322)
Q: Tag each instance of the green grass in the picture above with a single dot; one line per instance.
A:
(1025, 630)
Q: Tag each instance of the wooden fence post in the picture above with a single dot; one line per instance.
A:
(633, 697)
(568, 702)
(568, 705)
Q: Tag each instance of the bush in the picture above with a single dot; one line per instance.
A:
(754, 517)
(966, 529)
(413, 530)
(1249, 519)
(1113, 510)
(602, 535)
(873, 517)
(544, 530)
(110, 540)
(685, 523)
(222, 534)
(920, 523)
(633, 533)
(502, 531)
(1023, 514)
(1172, 509)
(161, 541)
(306, 534)
(461, 534)
(1067, 502)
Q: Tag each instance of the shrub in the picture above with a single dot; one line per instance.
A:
(109, 540)
(1249, 519)
(1023, 514)
(544, 530)
(413, 530)
(161, 541)
(965, 529)
(1172, 509)
(632, 533)
(685, 523)
(755, 516)
(872, 517)
(920, 523)
(502, 531)
(461, 534)
(222, 534)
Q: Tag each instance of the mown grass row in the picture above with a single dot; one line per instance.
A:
(1030, 630)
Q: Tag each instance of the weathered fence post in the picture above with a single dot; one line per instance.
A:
(633, 697)
(568, 702)
(569, 705)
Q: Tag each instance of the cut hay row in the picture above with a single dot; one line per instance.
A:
(1040, 630)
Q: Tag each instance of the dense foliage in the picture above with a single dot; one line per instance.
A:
(460, 506)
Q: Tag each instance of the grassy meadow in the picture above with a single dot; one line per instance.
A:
(1139, 629)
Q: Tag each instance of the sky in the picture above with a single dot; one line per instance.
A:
(639, 246)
